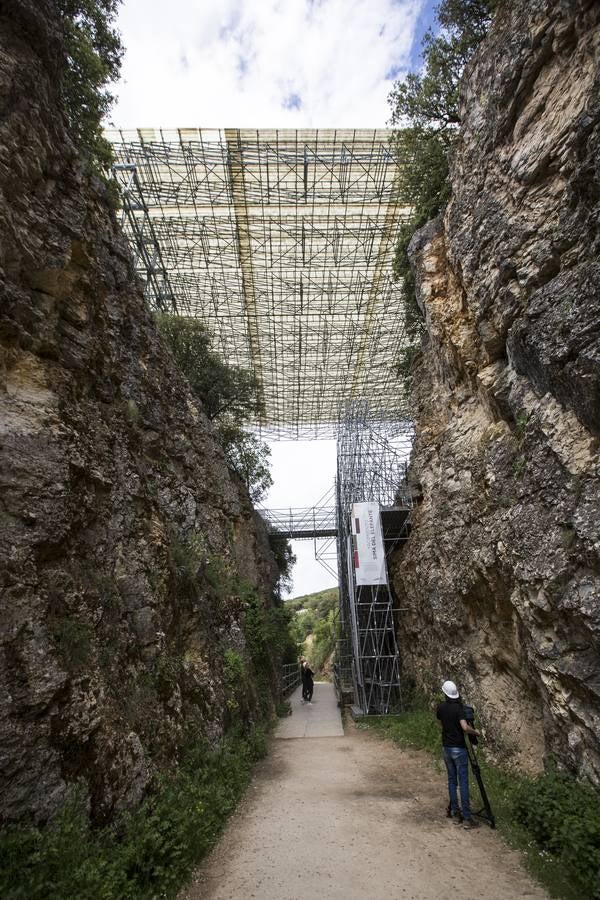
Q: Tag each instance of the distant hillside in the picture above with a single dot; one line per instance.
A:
(320, 603)
(315, 625)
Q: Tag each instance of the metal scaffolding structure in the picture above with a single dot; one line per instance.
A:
(317, 523)
(371, 466)
(281, 243)
(297, 524)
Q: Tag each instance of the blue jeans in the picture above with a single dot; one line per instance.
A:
(457, 764)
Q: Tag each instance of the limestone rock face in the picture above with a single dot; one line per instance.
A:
(122, 532)
(500, 576)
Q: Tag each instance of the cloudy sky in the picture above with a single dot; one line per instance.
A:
(269, 63)
(265, 63)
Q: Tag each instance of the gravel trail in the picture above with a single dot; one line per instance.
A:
(339, 818)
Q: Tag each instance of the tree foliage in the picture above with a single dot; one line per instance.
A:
(94, 53)
(230, 396)
(248, 456)
(316, 615)
(225, 390)
(285, 559)
(425, 111)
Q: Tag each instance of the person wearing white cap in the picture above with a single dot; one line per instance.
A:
(451, 718)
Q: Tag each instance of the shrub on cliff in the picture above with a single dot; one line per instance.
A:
(425, 110)
(93, 61)
(230, 396)
(284, 558)
(224, 389)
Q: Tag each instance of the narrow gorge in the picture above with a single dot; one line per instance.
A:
(146, 651)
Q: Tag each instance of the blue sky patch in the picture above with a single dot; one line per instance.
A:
(292, 101)
(425, 21)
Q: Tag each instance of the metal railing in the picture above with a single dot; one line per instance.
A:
(290, 677)
(310, 522)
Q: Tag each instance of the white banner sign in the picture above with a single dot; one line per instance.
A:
(367, 544)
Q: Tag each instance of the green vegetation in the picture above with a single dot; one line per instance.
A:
(268, 638)
(521, 425)
(224, 389)
(563, 817)
(315, 619)
(406, 357)
(425, 111)
(148, 853)
(318, 604)
(234, 676)
(326, 634)
(230, 396)
(284, 558)
(554, 819)
(74, 640)
(186, 556)
(248, 456)
(93, 62)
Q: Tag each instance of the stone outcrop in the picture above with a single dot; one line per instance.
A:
(122, 532)
(500, 578)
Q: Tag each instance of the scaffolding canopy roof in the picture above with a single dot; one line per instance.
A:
(281, 243)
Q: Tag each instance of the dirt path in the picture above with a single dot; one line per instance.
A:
(339, 818)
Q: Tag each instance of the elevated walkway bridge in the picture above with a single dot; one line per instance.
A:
(301, 524)
(320, 522)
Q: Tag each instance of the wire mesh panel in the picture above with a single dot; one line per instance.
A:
(281, 243)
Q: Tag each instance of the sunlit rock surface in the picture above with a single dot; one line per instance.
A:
(500, 577)
(121, 528)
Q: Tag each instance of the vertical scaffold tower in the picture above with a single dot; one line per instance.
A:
(371, 467)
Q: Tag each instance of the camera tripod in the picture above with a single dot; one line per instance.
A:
(486, 810)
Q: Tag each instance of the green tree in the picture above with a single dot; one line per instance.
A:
(285, 559)
(325, 637)
(225, 390)
(248, 456)
(425, 111)
(94, 53)
(430, 99)
(229, 394)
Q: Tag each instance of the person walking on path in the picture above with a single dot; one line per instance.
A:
(451, 718)
(308, 684)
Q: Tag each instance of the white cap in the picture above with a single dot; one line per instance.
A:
(450, 690)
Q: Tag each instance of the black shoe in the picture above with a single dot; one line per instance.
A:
(470, 823)
(457, 819)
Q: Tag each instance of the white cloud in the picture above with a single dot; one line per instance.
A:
(261, 63)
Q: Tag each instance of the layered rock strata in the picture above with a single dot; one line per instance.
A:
(500, 579)
(123, 535)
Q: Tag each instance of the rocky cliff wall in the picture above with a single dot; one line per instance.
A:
(122, 532)
(501, 575)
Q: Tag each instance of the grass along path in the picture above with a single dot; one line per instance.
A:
(343, 818)
(554, 821)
